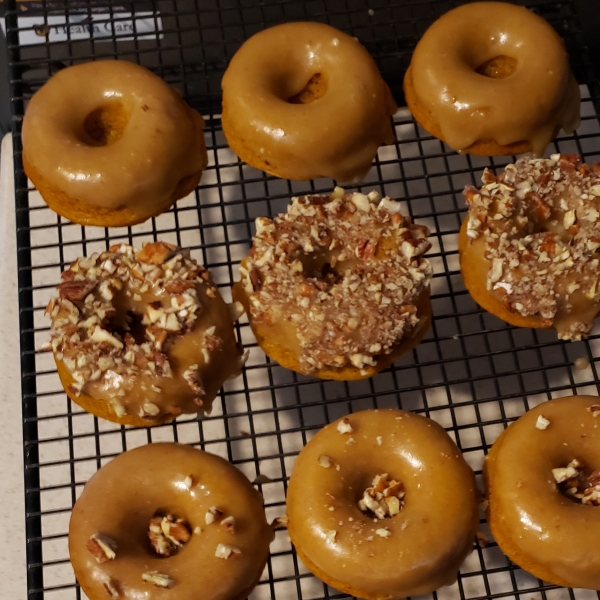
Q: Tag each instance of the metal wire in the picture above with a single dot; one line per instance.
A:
(472, 373)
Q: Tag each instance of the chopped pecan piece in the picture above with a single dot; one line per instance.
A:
(255, 280)
(158, 579)
(155, 253)
(384, 498)
(75, 290)
(168, 534)
(102, 547)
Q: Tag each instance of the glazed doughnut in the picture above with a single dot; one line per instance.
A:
(381, 504)
(492, 78)
(338, 286)
(305, 100)
(168, 521)
(542, 480)
(529, 246)
(109, 143)
(140, 337)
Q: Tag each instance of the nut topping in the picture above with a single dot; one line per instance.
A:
(225, 551)
(542, 423)
(158, 579)
(344, 426)
(325, 461)
(213, 514)
(384, 498)
(303, 269)
(75, 290)
(595, 410)
(575, 485)
(168, 534)
(102, 547)
(384, 533)
(228, 523)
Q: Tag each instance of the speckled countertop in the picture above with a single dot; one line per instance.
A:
(12, 515)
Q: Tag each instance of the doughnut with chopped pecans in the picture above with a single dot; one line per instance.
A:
(337, 287)
(142, 336)
(529, 246)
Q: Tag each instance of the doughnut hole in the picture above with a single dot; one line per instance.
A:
(168, 534)
(323, 267)
(578, 483)
(128, 322)
(499, 67)
(105, 125)
(315, 88)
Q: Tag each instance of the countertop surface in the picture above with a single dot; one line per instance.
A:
(12, 515)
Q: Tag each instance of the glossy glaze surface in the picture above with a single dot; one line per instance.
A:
(546, 529)
(429, 538)
(156, 140)
(337, 134)
(533, 103)
(123, 496)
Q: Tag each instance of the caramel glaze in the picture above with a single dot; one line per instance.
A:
(109, 135)
(533, 103)
(336, 134)
(124, 495)
(539, 528)
(429, 538)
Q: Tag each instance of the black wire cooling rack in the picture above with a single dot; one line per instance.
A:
(472, 373)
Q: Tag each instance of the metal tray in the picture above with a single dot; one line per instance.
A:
(472, 373)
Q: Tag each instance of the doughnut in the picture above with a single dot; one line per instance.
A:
(492, 78)
(109, 143)
(542, 478)
(168, 521)
(142, 336)
(305, 100)
(529, 246)
(337, 286)
(381, 504)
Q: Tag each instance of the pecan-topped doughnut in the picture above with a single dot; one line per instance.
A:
(140, 337)
(109, 143)
(381, 504)
(337, 286)
(168, 522)
(529, 246)
(492, 78)
(542, 479)
(306, 100)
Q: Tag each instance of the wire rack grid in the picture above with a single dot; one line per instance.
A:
(472, 373)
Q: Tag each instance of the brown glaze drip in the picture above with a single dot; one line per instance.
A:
(111, 133)
(147, 331)
(532, 103)
(218, 562)
(417, 550)
(330, 128)
(535, 524)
